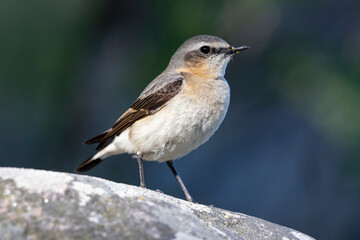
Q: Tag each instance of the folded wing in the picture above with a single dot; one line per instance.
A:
(142, 107)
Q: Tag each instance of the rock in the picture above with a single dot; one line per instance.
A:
(37, 204)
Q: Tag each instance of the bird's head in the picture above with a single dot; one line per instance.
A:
(204, 54)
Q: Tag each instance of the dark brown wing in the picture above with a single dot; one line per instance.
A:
(141, 108)
(97, 138)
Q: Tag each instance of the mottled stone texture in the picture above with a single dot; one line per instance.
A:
(36, 204)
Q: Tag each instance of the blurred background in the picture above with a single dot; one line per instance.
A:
(288, 150)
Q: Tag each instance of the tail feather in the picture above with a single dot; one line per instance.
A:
(88, 164)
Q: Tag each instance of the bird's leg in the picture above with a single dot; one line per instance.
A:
(141, 170)
(177, 176)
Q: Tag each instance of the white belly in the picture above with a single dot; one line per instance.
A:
(186, 122)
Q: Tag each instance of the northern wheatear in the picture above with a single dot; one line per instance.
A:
(177, 112)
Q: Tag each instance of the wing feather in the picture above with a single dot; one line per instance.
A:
(142, 107)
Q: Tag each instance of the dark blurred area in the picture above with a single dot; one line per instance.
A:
(288, 150)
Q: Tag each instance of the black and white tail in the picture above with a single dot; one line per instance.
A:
(88, 164)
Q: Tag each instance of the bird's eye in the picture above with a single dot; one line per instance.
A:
(205, 49)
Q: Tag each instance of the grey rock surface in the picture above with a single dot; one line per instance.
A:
(37, 204)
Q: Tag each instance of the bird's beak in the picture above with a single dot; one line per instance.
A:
(234, 50)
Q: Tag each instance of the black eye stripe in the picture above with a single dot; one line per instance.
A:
(207, 49)
(219, 50)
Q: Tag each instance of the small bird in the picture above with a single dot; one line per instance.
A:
(176, 113)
